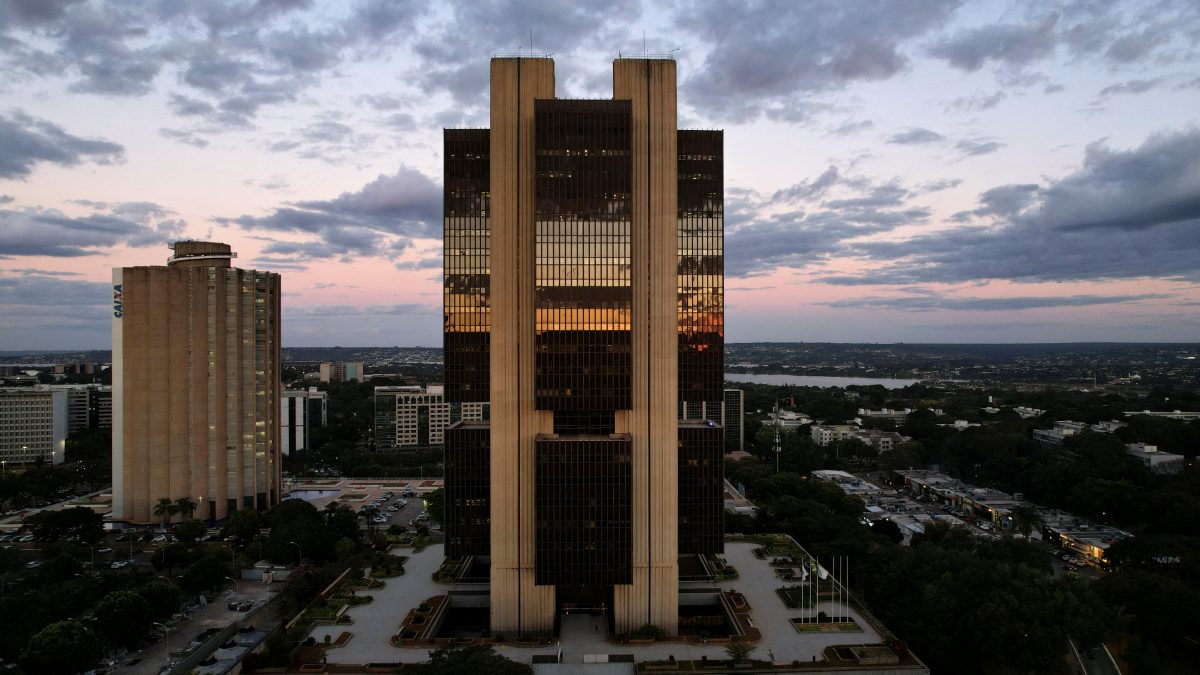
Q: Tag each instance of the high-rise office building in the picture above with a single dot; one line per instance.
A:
(584, 297)
(196, 394)
(342, 371)
(300, 410)
(408, 417)
(34, 424)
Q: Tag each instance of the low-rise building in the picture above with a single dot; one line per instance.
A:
(848, 483)
(882, 441)
(788, 420)
(824, 434)
(1174, 414)
(1063, 429)
(897, 416)
(1156, 461)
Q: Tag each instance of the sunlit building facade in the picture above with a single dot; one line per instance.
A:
(196, 392)
(584, 299)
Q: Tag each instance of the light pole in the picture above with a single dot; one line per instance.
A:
(237, 588)
(298, 548)
(4, 464)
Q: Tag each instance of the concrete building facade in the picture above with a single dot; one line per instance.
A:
(342, 371)
(33, 425)
(584, 298)
(300, 411)
(196, 393)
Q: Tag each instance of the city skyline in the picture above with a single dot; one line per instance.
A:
(925, 172)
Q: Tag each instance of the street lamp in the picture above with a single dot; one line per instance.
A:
(236, 586)
(298, 548)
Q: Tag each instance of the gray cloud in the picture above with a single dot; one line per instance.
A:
(6, 199)
(1010, 44)
(27, 141)
(502, 26)
(184, 136)
(48, 232)
(1131, 87)
(978, 101)
(971, 147)
(384, 214)
(935, 302)
(767, 57)
(915, 136)
(1120, 33)
(849, 128)
(1124, 214)
(809, 190)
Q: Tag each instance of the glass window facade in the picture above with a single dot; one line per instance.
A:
(582, 255)
(583, 511)
(701, 479)
(468, 524)
(701, 306)
(467, 264)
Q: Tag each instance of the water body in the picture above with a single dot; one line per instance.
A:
(309, 495)
(817, 380)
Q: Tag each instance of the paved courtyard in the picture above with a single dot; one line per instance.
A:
(375, 623)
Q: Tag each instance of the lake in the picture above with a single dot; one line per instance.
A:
(817, 380)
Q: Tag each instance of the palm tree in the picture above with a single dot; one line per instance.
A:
(165, 508)
(185, 506)
(1026, 519)
(369, 512)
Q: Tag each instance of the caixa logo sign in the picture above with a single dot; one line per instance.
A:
(117, 300)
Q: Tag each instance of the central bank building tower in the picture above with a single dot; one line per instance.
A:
(584, 299)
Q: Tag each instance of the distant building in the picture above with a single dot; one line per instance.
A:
(1027, 413)
(1174, 415)
(824, 434)
(77, 368)
(1063, 429)
(882, 441)
(301, 410)
(33, 425)
(196, 387)
(1157, 462)
(342, 371)
(89, 406)
(788, 420)
(417, 417)
(897, 416)
(848, 483)
(960, 425)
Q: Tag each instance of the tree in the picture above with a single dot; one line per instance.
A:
(162, 598)
(78, 523)
(190, 530)
(435, 504)
(123, 617)
(164, 508)
(61, 648)
(739, 650)
(472, 659)
(185, 506)
(1025, 519)
(243, 524)
(206, 574)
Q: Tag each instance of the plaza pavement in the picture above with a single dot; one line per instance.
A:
(375, 623)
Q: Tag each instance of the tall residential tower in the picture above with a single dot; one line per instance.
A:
(196, 394)
(584, 297)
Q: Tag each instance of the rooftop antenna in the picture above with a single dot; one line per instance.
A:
(643, 44)
(531, 41)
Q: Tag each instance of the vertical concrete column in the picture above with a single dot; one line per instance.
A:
(653, 597)
(518, 606)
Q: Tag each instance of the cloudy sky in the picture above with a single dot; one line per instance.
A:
(915, 170)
